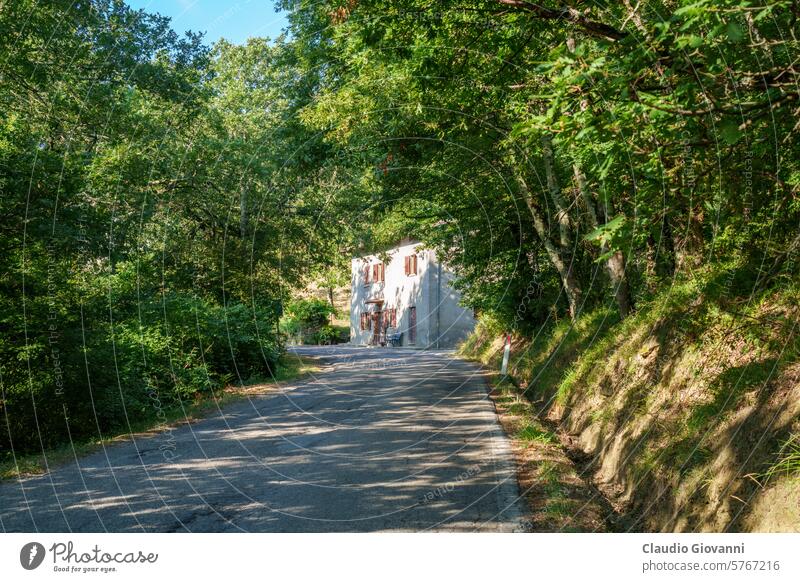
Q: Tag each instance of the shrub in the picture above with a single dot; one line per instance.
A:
(306, 321)
(98, 377)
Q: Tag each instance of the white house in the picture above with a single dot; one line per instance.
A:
(410, 294)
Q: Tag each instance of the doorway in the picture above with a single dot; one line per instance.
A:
(378, 331)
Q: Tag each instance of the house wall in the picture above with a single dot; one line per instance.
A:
(454, 322)
(438, 314)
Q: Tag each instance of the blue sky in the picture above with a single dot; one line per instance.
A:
(235, 20)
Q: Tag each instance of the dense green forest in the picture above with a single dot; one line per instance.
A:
(162, 199)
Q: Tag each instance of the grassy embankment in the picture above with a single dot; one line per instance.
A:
(291, 367)
(686, 416)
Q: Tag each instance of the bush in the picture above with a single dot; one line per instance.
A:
(96, 378)
(327, 335)
(306, 321)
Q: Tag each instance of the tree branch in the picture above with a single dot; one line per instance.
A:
(591, 27)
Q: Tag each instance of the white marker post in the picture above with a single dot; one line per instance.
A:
(506, 353)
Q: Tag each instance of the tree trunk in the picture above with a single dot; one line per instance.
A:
(558, 257)
(243, 217)
(554, 188)
(330, 298)
(615, 265)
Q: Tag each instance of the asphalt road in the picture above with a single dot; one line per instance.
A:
(380, 440)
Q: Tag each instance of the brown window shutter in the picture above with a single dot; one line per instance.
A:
(415, 264)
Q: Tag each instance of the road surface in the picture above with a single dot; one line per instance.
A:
(379, 440)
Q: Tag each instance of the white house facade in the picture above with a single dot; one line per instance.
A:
(408, 298)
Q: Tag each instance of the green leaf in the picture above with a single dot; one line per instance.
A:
(735, 32)
(729, 131)
(605, 256)
(607, 230)
(691, 10)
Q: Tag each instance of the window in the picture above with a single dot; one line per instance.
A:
(412, 325)
(378, 273)
(411, 265)
(366, 274)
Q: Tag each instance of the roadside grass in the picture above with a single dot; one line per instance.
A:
(706, 358)
(788, 460)
(535, 433)
(557, 503)
(291, 367)
(559, 500)
(518, 408)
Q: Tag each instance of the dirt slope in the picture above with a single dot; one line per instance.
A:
(688, 411)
